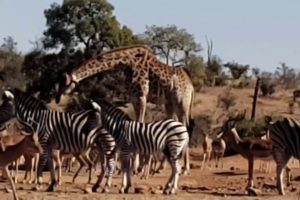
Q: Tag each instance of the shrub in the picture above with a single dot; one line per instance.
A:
(267, 87)
(201, 125)
(251, 129)
(226, 99)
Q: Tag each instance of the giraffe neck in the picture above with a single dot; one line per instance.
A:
(116, 59)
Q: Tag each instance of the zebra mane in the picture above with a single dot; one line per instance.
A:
(27, 100)
(108, 107)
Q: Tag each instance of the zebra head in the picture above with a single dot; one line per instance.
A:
(8, 107)
(65, 85)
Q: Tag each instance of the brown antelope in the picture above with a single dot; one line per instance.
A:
(250, 149)
(14, 142)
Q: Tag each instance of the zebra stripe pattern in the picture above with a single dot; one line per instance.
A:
(285, 135)
(167, 136)
(69, 132)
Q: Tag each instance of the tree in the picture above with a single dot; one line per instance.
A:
(286, 76)
(10, 64)
(176, 46)
(171, 43)
(236, 70)
(196, 67)
(255, 71)
(89, 23)
(213, 66)
(76, 30)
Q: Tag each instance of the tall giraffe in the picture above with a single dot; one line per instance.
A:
(147, 78)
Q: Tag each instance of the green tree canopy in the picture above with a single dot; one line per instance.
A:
(76, 31)
(176, 46)
(237, 70)
(171, 43)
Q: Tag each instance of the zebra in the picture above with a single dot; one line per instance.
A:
(285, 136)
(167, 136)
(69, 132)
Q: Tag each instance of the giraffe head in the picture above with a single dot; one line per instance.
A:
(65, 86)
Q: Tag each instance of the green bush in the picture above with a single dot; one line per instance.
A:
(251, 129)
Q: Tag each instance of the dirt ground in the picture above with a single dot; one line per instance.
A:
(228, 182)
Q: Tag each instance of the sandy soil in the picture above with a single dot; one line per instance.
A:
(212, 183)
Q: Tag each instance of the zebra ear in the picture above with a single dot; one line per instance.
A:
(8, 94)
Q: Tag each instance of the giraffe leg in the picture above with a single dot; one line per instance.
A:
(140, 110)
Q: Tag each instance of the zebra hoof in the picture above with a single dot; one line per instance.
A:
(173, 191)
(94, 188)
(36, 188)
(123, 190)
(185, 173)
(105, 190)
(50, 189)
(167, 191)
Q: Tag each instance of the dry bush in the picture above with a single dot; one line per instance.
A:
(201, 125)
(226, 99)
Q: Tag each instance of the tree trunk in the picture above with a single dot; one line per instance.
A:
(255, 99)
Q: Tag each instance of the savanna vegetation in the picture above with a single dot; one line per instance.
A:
(77, 30)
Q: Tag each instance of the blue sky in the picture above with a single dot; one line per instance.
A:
(259, 33)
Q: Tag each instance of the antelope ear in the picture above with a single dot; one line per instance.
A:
(56, 87)
(96, 106)
(219, 135)
(3, 148)
(67, 79)
(8, 94)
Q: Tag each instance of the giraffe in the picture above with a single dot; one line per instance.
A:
(147, 78)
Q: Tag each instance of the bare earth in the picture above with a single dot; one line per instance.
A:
(213, 183)
(226, 183)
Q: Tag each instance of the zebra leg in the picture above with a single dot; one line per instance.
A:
(146, 165)
(101, 176)
(111, 167)
(171, 185)
(53, 182)
(162, 164)
(136, 163)
(41, 165)
(81, 164)
(126, 168)
(57, 159)
(281, 159)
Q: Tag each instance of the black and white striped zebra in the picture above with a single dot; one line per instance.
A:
(167, 136)
(70, 132)
(285, 136)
